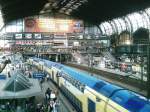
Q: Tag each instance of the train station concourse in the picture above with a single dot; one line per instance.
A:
(74, 55)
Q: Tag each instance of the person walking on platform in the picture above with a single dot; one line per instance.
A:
(51, 106)
(30, 76)
(53, 96)
(47, 94)
(8, 106)
(41, 82)
(9, 74)
(57, 106)
(47, 77)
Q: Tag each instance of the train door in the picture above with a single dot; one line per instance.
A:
(52, 75)
(91, 106)
(57, 76)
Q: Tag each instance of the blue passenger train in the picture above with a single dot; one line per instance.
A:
(89, 94)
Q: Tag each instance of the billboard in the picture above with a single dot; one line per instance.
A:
(53, 25)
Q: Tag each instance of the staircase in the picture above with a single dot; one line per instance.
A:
(108, 55)
(79, 58)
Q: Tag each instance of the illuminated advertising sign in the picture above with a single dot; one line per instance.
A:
(53, 25)
(18, 36)
(28, 36)
(48, 36)
(37, 36)
(24, 42)
(59, 36)
(33, 42)
(9, 36)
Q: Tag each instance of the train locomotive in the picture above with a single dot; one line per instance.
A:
(89, 94)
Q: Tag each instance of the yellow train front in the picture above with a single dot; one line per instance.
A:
(88, 94)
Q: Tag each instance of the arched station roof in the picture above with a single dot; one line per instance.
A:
(130, 22)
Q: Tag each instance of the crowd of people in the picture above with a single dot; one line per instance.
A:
(51, 102)
(18, 105)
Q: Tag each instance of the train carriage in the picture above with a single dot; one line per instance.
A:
(89, 94)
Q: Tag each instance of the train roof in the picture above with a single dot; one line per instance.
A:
(126, 98)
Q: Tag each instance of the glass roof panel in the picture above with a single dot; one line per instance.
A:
(139, 19)
(106, 28)
(118, 25)
(128, 23)
(102, 29)
(115, 30)
(17, 83)
(133, 22)
(122, 23)
(148, 11)
(145, 20)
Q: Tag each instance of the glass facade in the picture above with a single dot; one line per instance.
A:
(15, 26)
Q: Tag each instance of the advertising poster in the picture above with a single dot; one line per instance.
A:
(37, 36)
(18, 36)
(53, 25)
(28, 36)
(48, 36)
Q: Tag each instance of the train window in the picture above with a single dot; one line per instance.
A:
(80, 105)
(98, 99)
(82, 87)
(91, 106)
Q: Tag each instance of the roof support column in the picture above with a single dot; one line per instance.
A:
(148, 61)
(148, 66)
